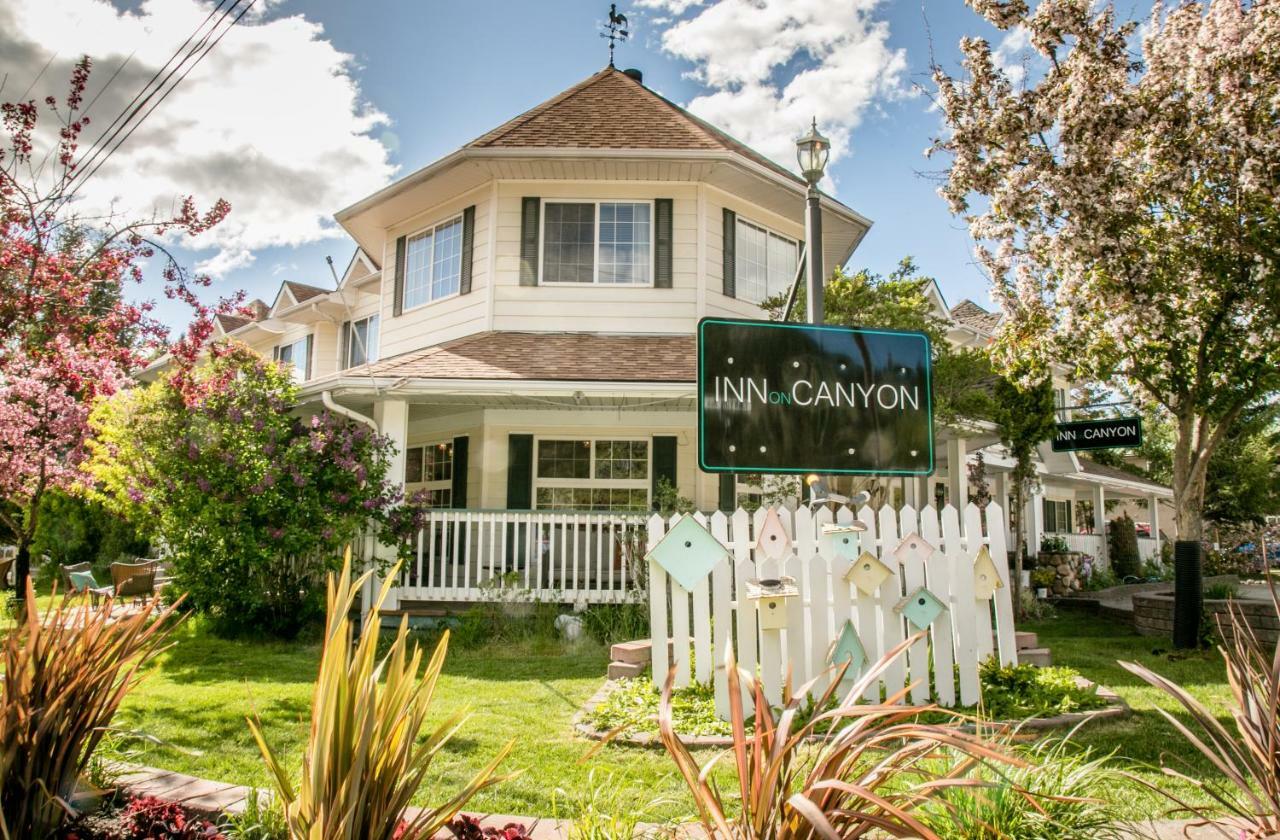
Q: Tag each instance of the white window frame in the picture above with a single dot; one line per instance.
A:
(370, 352)
(1071, 516)
(299, 373)
(595, 254)
(743, 220)
(431, 228)
(442, 484)
(591, 482)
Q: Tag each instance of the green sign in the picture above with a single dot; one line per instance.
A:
(801, 398)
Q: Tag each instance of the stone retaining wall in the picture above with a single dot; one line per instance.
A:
(1153, 615)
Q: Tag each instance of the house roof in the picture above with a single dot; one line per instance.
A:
(302, 292)
(1090, 467)
(583, 357)
(612, 110)
(971, 315)
(257, 311)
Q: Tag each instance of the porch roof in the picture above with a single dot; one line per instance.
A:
(549, 357)
(1113, 478)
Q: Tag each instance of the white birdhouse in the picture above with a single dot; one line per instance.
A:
(986, 577)
(773, 539)
(867, 573)
(771, 597)
(913, 545)
(688, 552)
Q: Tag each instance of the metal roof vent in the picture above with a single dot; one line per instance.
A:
(635, 74)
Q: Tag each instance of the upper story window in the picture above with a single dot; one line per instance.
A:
(360, 340)
(766, 262)
(433, 263)
(298, 354)
(605, 242)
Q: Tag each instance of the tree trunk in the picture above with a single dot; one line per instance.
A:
(1019, 548)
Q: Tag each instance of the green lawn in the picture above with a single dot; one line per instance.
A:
(196, 698)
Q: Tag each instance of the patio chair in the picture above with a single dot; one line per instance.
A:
(134, 580)
(78, 577)
(6, 566)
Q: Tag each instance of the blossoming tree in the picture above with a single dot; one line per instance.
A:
(1127, 206)
(67, 333)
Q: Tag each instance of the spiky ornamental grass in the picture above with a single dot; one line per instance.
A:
(66, 672)
(363, 760)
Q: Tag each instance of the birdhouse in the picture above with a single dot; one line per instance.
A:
(844, 538)
(921, 607)
(867, 573)
(848, 648)
(771, 596)
(986, 577)
(773, 539)
(688, 552)
(913, 545)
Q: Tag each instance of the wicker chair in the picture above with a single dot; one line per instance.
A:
(95, 593)
(134, 580)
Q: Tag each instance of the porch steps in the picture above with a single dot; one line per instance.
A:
(631, 659)
(1029, 651)
(625, 670)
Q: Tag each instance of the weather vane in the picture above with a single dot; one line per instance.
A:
(615, 30)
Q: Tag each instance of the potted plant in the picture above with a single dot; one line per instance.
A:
(1043, 579)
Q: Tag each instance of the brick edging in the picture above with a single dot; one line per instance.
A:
(1115, 709)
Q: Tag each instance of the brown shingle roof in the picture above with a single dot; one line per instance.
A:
(230, 323)
(971, 315)
(302, 292)
(1090, 467)
(584, 357)
(257, 311)
(611, 110)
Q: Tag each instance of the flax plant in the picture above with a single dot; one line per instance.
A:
(363, 760)
(1249, 757)
(66, 672)
(856, 770)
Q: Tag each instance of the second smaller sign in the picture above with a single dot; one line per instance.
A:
(1112, 433)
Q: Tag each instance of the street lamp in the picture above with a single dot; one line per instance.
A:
(812, 151)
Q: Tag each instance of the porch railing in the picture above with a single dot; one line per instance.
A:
(485, 555)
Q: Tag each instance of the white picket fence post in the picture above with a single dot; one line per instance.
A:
(701, 625)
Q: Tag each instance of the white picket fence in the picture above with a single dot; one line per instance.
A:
(704, 622)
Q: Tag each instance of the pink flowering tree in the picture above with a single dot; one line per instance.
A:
(253, 500)
(68, 336)
(1125, 200)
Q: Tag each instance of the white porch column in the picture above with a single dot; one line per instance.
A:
(392, 417)
(1035, 522)
(958, 474)
(1153, 502)
(1100, 523)
(920, 488)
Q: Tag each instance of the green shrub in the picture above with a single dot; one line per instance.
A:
(1220, 591)
(612, 623)
(1100, 579)
(1218, 562)
(1021, 691)
(1054, 545)
(72, 529)
(1122, 547)
(1044, 577)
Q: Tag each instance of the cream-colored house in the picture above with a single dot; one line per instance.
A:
(520, 316)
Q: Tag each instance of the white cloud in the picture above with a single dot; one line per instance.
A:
(773, 65)
(1013, 53)
(225, 261)
(272, 120)
(676, 7)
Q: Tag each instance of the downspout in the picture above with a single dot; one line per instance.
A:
(327, 399)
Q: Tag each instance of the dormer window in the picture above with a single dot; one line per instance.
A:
(360, 342)
(298, 354)
(604, 242)
(433, 264)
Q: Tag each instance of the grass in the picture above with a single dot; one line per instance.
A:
(197, 695)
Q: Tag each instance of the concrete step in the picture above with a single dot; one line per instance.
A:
(1040, 657)
(639, 652)
(1025, 639)
(625, 670)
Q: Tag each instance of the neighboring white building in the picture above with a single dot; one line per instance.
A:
(520, 316)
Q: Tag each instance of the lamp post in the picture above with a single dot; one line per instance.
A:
(812, 151)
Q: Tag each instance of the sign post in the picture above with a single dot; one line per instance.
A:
(803, 398)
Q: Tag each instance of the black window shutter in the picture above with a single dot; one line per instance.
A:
(664, 462)
(728, 492)
(275, 353)
(468, 245)
(730, 258)
(662, 243)
(519, 472)
(460, 472)
(529, 210)
(397, 296)
(344, 360)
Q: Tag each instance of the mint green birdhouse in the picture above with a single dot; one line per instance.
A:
(848, 648)
(773, 539)
(921, 607)
(844, 538)
(688, 552)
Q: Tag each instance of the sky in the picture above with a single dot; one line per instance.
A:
(309, 105)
